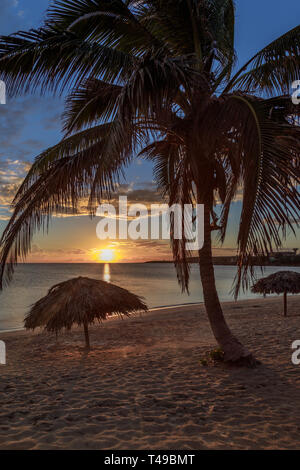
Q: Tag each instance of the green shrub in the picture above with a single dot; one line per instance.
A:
(217, 355)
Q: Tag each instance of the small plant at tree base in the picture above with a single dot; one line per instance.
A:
(217, 355)
(203, 362)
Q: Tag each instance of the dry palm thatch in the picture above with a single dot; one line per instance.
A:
(283, 282)
(81, 301)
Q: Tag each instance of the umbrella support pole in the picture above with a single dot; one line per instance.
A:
(87, 337)
(285, 304)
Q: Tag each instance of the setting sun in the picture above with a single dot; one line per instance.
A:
(107, 255)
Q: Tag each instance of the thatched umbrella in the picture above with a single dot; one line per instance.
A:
(81, 301)
(283, 282)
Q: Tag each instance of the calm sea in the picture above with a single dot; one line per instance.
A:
(156, 282)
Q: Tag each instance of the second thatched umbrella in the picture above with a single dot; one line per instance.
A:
(283, 282)
(81, 301)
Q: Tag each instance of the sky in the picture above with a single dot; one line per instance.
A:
(29, 125)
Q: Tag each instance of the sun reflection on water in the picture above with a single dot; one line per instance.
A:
(106, 272)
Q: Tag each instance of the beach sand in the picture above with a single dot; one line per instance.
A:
(143, 386)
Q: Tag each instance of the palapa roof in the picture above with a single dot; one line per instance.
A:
(278, 283)
(81, 300)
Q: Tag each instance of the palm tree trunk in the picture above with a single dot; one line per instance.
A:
(87, 336)
(234, 351)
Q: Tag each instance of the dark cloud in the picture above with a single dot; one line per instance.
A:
(13, 118)
(24, 126)
(145, 192)
(32, 144)
(43, 254)
(53, 122)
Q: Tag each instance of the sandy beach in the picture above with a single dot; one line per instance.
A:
(144, 385)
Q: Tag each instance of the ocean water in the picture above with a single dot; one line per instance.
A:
(156, 282)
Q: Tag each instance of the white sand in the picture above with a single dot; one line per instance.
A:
(143, 386)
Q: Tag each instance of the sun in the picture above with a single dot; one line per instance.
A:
(107, 255)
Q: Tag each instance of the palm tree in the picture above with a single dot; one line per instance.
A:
(156, 77)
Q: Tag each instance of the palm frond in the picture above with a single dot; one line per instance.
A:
(84, 141)
(58, 189)
(113, 23)
(271, 200)
(94, 100)
(281, 58)
(175, 181)
(51, 59)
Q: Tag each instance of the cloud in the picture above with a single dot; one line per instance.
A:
(12, 173)
(11, 18)
(21, 121)
(146, 193)
(53, 121)
(42, 255)
(22, 137)
(12, 122)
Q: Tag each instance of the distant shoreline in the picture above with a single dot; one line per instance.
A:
(194, 261)
(231, 263)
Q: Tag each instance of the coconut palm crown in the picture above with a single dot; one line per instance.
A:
(155, 78)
